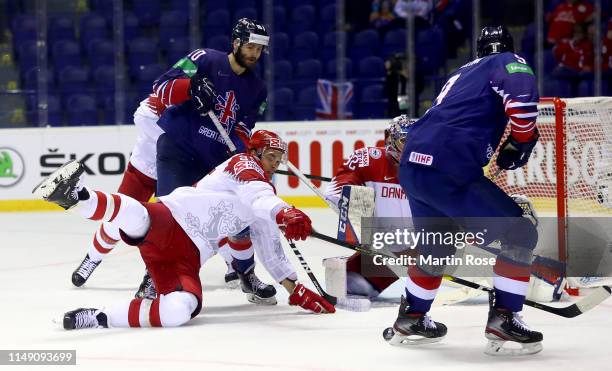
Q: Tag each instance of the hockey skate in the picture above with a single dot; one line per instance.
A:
(84, 270)
(410, 329)
(147, 288)
(85, 318)
(257, 291)
(63, 187)
(504, 326)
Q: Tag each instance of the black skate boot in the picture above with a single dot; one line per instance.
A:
(85, 318)
(413, 329)
(257, 291)
(82, 273)
(504, 326)
(63, 187)
(146, 289)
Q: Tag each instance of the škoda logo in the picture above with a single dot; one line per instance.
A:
(12, 167)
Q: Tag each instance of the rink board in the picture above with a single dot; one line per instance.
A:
(314, 147)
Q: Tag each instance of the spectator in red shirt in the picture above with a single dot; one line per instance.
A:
(575, 57)
(565, 16)
(576, 53)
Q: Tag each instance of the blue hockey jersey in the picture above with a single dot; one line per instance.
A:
(461, 131)
(241, 99)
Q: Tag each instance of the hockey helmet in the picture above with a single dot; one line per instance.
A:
(251, 31)
(494, 40)
(263, 139)
(395, 135)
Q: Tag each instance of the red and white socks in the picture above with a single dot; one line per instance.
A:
(171, 310)
(123, 211)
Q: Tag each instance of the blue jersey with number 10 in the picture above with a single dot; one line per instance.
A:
(460, 132)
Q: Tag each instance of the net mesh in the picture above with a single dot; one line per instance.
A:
(588, 161)
(586, 170)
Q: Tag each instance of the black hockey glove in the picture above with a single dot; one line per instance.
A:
(513, 154)
(202, 93)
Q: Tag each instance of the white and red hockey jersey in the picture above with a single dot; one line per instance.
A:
(233, 196)
(371, 167)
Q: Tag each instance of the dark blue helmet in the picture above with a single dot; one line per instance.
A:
(494, 40)
(250, 31)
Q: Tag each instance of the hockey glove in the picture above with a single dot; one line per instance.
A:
(297, 225)
(513, 154)
(309, 300)
(202, 93)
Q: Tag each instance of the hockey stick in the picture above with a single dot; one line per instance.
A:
(315, 177)
(222, 131)
(581, 306)
(585, 304)
(352, 304)
(346, 303)
(309, 184)
(332, 299)
(348, 245)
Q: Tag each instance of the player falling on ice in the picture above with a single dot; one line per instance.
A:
(441, 172)
(229, 73)
(374, 167)
(181, 231)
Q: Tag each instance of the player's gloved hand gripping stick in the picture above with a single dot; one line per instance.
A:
(203, 94)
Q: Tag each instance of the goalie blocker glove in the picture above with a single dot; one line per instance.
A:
(203, 93)
(297, 225)
(309, 300)
(513, 154)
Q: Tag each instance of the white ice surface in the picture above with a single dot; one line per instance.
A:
(39, 251)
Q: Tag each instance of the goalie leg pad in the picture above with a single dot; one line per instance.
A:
(335, 276)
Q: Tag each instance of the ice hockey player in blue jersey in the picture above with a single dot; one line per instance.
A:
(441, 172)
(226, 85)
(223, 83)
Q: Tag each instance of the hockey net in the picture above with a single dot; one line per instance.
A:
(569, 173)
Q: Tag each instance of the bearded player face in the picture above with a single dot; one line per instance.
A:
(248, 54)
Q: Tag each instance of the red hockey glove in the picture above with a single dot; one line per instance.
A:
(297, 224)
(309, 300)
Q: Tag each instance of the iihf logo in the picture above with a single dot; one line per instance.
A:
(227, 107)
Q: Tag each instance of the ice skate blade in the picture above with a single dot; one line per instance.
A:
(261, 301)
(46, 187)
(412, 340)
(496, 348)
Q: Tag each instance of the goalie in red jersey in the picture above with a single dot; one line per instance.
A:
(375, 168)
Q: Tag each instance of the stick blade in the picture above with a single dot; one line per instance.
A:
(593, 299)
(585, 304)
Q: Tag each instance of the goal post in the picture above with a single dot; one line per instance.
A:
(569, 173)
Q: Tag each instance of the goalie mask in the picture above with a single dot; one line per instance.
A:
(250, 31)
(395, 136)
